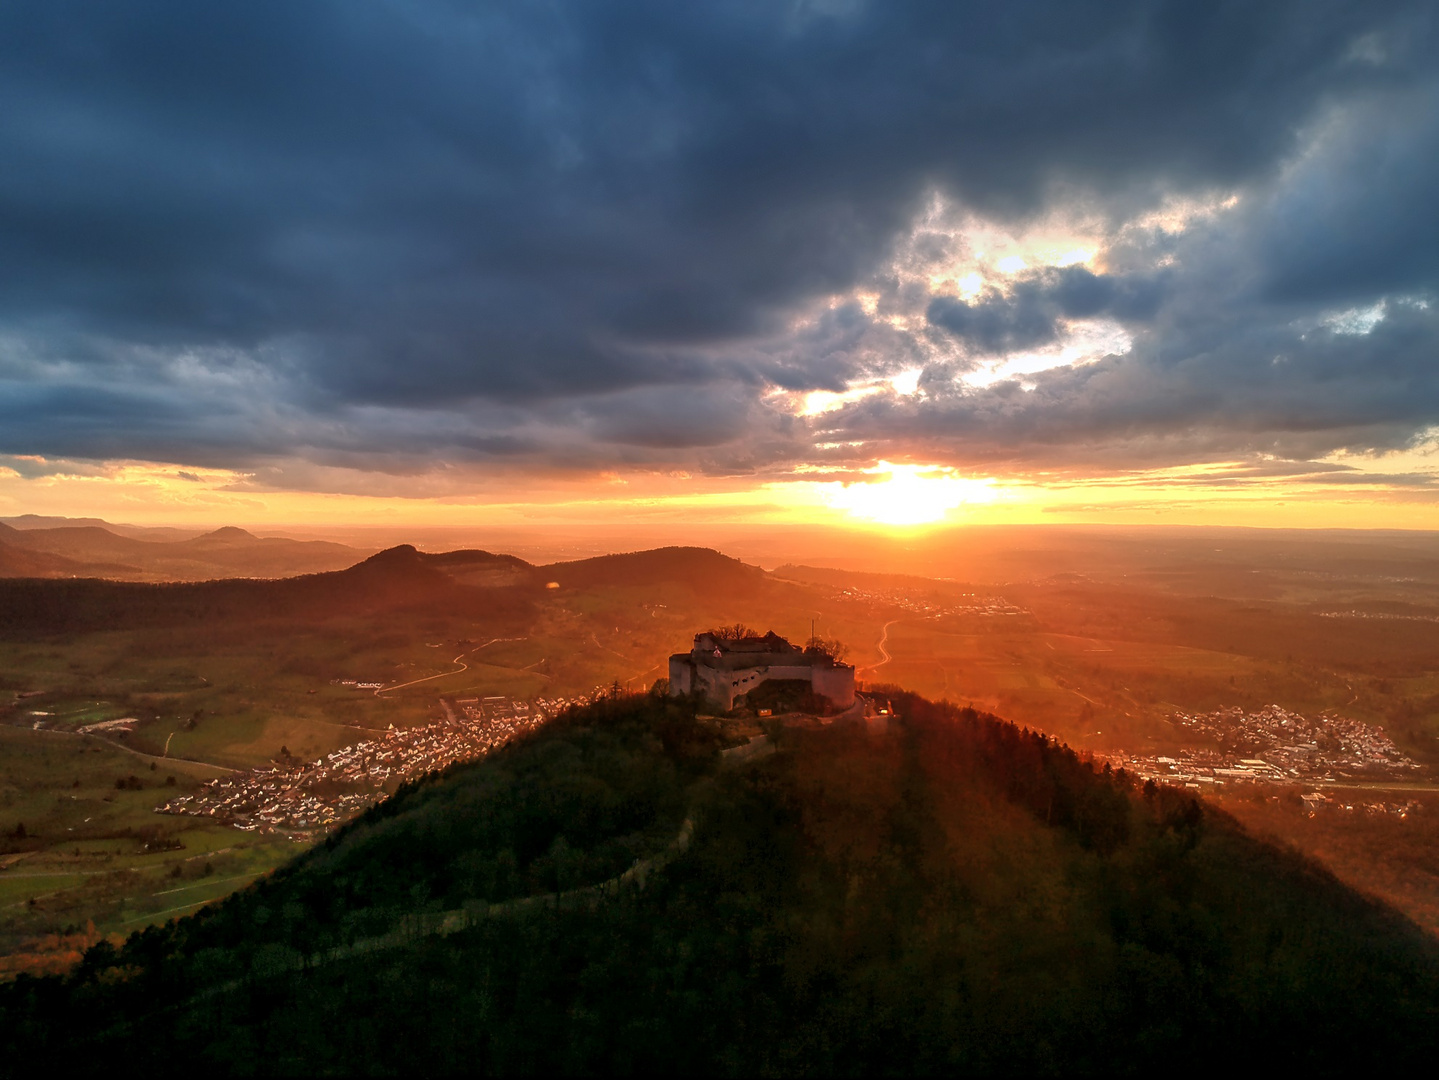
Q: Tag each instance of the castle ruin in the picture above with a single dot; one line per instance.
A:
(723, 669)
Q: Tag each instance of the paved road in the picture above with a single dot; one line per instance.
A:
(883, 641)
(459, 661)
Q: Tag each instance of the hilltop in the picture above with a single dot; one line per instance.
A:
(705, 570)
(953, 894)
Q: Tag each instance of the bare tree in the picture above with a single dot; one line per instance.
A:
(732, 633)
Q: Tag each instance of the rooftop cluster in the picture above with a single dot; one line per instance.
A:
(299, 800)
(931, 606)
(1274, 745)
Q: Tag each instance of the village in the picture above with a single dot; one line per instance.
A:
(932, 607)
(1274, 745)
(301, 800)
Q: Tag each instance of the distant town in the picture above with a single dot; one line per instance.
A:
(302, 799)
(1377, 615)
(1276, 746)
(932, 607)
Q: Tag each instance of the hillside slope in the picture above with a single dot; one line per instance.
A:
(17, 561)
(954, 895)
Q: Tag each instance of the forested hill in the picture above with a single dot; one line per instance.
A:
(707, 571)
(952, 895)
(399, 577)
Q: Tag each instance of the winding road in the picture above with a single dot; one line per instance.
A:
(883, 640)
(458, 661)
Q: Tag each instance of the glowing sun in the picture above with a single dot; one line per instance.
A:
(910, 495)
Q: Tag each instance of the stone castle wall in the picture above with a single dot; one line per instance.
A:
(721, 685)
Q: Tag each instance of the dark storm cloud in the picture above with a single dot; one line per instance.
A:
(1365, 222)
(1288, 391)
(1030, 313)
(520, 226)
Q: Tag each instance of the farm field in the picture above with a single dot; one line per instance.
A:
(85, 853)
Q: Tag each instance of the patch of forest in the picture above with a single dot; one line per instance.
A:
(954, 894)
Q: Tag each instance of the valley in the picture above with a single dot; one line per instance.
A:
(245, 708)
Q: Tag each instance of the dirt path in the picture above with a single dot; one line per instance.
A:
(152, 757)
(444, 923)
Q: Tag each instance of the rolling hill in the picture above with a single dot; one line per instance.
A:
(397, 578)
(704, 569)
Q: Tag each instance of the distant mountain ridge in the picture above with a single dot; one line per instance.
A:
(72, 600)
(26, 522)
(99, 551)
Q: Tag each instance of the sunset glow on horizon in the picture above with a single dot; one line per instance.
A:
(881, 496)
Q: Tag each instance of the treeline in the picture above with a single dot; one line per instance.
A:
(954, 895)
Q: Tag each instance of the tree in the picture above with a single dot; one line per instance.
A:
(732, 632)
(835, 649)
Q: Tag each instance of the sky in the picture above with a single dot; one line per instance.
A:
(887, 263)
